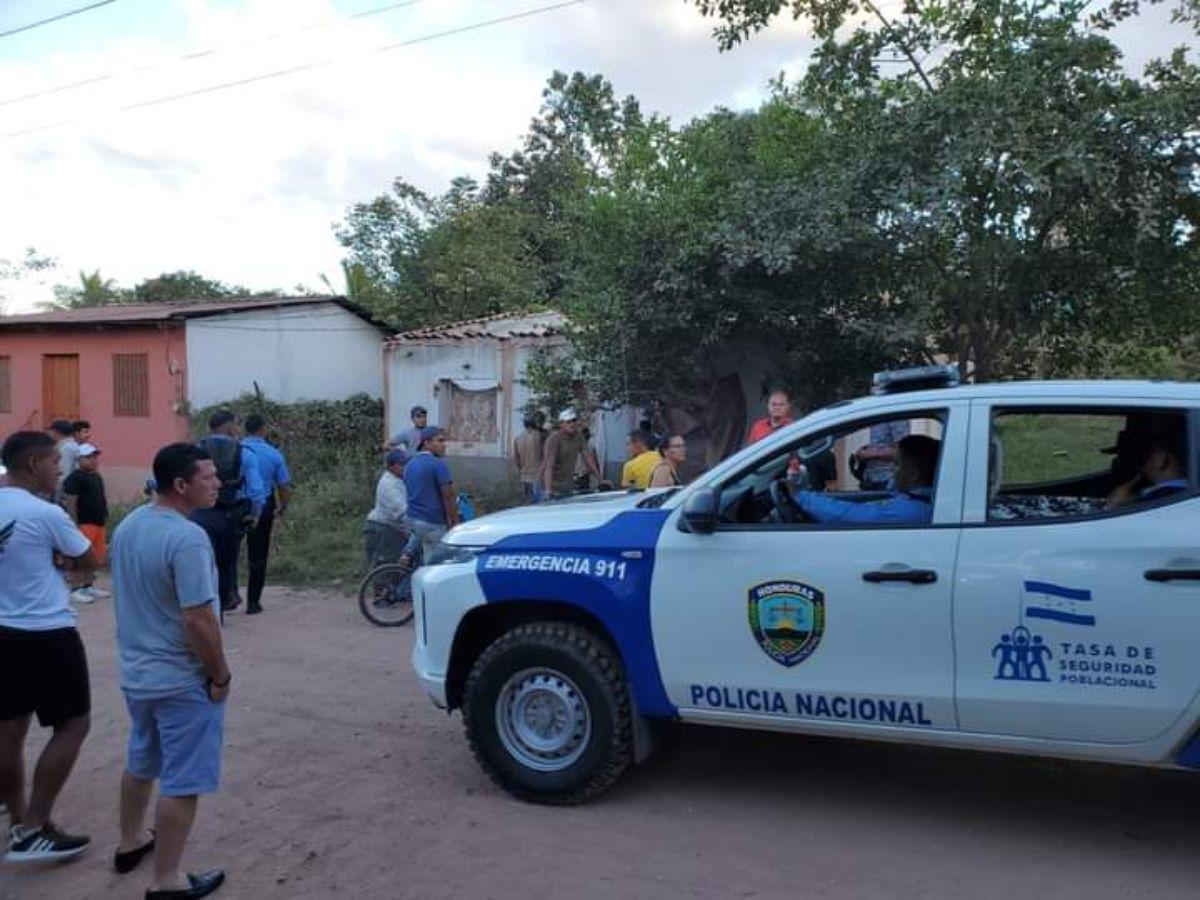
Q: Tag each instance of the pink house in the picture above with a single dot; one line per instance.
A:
(137, 371)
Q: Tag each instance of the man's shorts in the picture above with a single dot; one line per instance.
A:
(43, 672)
(97, 536)
(177, 739)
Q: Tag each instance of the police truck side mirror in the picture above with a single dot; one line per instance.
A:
(700, 511)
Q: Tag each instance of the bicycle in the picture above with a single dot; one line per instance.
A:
(385, 597)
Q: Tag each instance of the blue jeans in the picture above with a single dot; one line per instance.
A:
(429, 533)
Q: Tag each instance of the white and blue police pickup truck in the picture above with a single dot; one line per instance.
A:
(1036, 591)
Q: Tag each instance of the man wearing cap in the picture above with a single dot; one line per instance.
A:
(410, 438)
(387, 527)
(431, 507)
(561, 453)
(85, 500)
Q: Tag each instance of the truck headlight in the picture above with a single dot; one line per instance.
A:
(444, 554)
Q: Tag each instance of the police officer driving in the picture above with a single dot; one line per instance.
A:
(910, 503)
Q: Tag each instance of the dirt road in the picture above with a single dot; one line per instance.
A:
(342, 780)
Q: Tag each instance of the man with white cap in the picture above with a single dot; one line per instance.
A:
(562, 451)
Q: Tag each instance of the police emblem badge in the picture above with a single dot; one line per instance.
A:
(787, 618)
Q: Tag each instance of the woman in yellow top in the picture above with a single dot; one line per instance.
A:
(674, 452)
(642, 461)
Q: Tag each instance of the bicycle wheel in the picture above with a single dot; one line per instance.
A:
(385, 596)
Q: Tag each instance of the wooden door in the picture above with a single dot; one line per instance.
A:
(60, 387)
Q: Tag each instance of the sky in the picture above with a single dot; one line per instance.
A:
(245, 184)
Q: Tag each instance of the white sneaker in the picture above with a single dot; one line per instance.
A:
(82, 595)
(98, 593)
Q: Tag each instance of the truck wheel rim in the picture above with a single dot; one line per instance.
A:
(543, 720)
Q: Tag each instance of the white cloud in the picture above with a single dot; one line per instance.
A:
(245, 184)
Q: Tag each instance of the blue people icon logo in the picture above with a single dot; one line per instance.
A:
(787, 618)
(1021, 656)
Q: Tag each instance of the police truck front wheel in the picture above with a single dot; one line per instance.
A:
(547, 713)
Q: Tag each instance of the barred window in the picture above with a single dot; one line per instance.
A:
(131, 384)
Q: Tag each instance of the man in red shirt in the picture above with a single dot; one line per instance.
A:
(779, 414)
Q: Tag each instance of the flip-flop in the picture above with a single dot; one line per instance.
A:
(128, 861)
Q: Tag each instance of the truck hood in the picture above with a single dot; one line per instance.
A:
(575, 514)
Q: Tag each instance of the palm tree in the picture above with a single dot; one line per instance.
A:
(93, 290)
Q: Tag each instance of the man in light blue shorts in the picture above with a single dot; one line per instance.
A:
(173, 669)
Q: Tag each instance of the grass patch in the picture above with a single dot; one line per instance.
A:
(1052, 446)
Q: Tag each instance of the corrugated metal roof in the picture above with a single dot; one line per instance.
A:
(150, 313)
(503, 326)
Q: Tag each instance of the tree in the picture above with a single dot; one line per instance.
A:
(1027, 200)
(428, 260)
(93, 290)
(18, 270)
(172, 287)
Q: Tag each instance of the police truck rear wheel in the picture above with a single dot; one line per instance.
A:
(547, 714)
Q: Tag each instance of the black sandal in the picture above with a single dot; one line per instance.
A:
(128, 861)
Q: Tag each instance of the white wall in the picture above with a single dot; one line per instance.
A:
(317, 352)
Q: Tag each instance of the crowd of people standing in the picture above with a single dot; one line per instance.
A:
(174, 571)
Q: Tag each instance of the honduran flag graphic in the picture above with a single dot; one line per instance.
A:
(1058, 604)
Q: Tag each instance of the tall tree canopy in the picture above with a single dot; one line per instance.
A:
(1009, 198)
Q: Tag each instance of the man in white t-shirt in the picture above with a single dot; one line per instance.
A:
(62, 433)
(43, 668)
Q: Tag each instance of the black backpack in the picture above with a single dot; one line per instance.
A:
(227, 457)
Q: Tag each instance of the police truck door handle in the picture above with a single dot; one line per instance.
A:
(912, 576)
(1172, 574)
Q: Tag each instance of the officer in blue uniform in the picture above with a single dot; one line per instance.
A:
(1161, 454)
(911, 502)
(239, 502)
(274, 493)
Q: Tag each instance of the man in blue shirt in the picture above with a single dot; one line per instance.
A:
(274, 497)
(1161, 448)
(911, 502)
(431, 506)
(239, 503)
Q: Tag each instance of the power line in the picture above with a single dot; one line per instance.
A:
(316, 64)
(58, 18)
(204, 54)
(305, 67)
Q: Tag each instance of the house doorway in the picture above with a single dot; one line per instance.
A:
(60, 387)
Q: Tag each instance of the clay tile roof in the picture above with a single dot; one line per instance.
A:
(150, 313)
(503, 326)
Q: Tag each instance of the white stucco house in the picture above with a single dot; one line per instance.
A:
(292, 348)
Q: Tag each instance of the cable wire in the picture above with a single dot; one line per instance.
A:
(316, 64)
(58, 18)
(204, 54)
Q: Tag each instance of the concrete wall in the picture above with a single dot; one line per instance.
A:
(128, 442)
(318, 352)
(418, 373)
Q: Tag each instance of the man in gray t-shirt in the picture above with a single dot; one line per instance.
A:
(409, 439)
(173, 670)
(165, 565)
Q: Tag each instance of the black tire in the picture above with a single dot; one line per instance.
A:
(376, 589)
(585, 662)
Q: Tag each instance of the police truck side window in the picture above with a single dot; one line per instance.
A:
(1056, 464)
